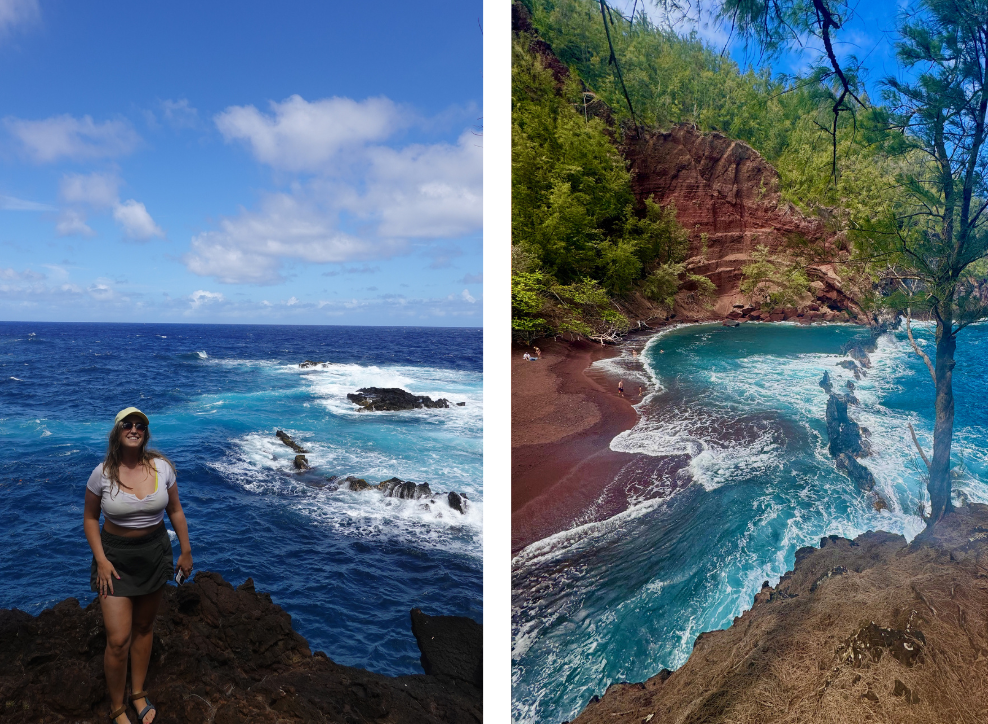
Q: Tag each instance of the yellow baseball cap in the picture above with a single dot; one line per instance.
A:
(130, 411)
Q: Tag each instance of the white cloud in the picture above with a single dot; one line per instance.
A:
(291, 302)
(425, 190)
(73, 223)
(467, 297)
(249, 248)
(179, 114)
(98, 190)
(9, 203)
(18, 12)
(67, 137)
(27, 275)
(136, 221)
(384, 196)
(201, 296)
(304, 136)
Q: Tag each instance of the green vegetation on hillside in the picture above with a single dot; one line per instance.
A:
(573, 214)
(576, 235)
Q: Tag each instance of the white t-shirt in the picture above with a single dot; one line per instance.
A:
(126, 509)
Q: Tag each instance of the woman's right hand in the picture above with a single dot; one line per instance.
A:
(105, 573)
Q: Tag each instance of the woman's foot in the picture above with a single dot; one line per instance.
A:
(121, 717)
(139, 703)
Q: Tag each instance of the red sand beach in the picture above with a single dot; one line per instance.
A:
(563, 417)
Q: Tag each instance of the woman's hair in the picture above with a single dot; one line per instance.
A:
(114, 455)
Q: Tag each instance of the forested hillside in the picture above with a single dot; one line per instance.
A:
(580, 236)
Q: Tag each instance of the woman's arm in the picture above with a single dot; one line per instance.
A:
(177, 517)
(105, 572)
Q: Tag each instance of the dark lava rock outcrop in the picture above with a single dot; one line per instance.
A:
(287, 439)
(223, 654)
(388, 399)
(403, 489)
(869, 630)
(451, 646)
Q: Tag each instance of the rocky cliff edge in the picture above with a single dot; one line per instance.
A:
(869, 630)
(223, 654)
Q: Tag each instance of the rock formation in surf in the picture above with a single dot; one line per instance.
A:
(403, 489)
(388, 399)
(287, 439)
(869, 630)
(223, 654)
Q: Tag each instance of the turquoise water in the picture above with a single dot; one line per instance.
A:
(348, 566)
(621, 599)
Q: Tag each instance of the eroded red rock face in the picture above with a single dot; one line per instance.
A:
(727, 196)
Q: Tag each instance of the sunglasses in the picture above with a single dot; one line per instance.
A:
(139, 426)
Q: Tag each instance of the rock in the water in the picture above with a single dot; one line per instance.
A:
(857, 353)
(456, 502)
(388, 399)
(451, 646)
(731, 322)
(848, 364)
(461, 404)
(845, 435)
(226, 654)
(353, 483)
(300, 462)
(857, 472)
(825, 382)
(286, 438)
(309, 363)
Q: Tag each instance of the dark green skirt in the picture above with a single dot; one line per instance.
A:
(145, 564)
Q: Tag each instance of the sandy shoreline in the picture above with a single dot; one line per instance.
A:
(564, 415)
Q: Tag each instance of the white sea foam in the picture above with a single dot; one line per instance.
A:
(202, 354)
(17, 378)
(262, 464)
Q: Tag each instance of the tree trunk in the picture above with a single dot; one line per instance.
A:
(943, 429)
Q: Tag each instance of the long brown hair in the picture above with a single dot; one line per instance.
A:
(114, 455)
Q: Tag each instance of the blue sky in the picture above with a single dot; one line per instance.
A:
(298, 162)
(868, 34)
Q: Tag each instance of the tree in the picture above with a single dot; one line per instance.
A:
(931, 243)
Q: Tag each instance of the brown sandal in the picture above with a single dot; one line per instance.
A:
(118, 712)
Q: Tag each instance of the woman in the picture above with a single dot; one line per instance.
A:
(132, 555)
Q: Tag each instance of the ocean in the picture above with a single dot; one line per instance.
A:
(623, 598)
(348, 566)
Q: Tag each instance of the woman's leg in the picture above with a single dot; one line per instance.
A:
(117, 614)
(142, 628)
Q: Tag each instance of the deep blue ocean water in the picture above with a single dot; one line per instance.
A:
(347, 566)
(621, 599)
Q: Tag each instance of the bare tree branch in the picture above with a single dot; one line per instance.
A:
(918, 448)
(920, 352)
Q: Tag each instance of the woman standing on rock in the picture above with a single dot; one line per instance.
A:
(132, 555)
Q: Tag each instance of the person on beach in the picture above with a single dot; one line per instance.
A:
(621, 388)
(132, 555)
(538, 353)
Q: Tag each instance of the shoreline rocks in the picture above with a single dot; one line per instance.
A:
(404, 490)
(391, 399)
(224, 655)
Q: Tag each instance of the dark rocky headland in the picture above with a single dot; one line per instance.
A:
(223, 654)
(869, 630)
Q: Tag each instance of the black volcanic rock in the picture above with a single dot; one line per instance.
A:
(456, 502)
(846, 436)
(451, 646)
(389, 399)
(300, 462)
(223, 654)
(287, 439)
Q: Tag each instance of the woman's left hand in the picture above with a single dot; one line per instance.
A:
(185, 563)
